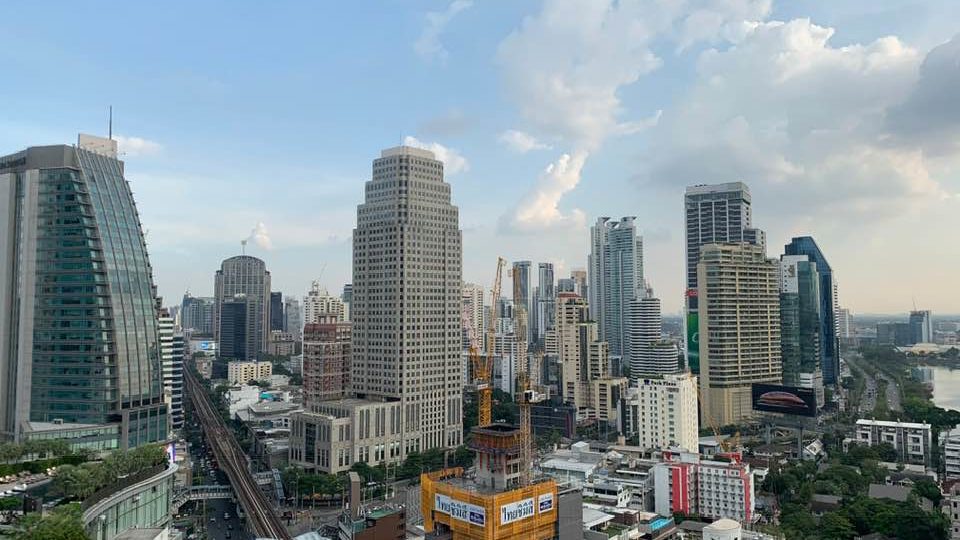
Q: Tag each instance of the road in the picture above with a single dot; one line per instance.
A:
(868, 400)
(893, 393)
(231, 459)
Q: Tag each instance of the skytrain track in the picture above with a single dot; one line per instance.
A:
(260, 514)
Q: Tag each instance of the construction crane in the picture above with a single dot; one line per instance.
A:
(729, 446)
(483, 364)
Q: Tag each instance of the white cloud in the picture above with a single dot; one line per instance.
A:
(260, 237)
(453, 161)
(540, 208)
(137, 146)
(784, 109)
(522, 142)
(565, 66)
(428, 45)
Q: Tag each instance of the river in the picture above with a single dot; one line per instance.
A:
(946, 387)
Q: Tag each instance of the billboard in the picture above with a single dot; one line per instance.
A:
(791, 400)
(469, 513)
(693, 341)
(511, 512)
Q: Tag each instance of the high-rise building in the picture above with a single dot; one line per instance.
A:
(406, 298)
(740, 327)
(662, 412)
(650, 354)
(78, 322)
(521, 280)
(347, 297)
(800, 323)
(293, 317)
(326, 360)
(616, 278)
(196, 315)
(171, 357)
(245, 276)
(894, 333)
(233, 331)
(713, 214)
(844, 323)
(506, 350)
(472, 301)
(829, 344)
(319, 305)
(546, 303)
(584, 361)
(921, 327)
(276, 311)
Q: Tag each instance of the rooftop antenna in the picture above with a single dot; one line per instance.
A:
(243, 247)
(110, 125)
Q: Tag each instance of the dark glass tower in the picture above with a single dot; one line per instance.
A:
(829, 345)
(799, 319)
(79, 332)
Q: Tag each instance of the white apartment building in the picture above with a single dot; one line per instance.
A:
(912, 440)
(319, 306)
(686, 482)
(951, 453)
(239, 372)
(662, 412)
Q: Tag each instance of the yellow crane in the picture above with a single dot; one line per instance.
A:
(483, 364)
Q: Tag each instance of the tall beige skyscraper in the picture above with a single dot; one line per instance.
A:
(584, 360)
(739, 298)
(407, 299)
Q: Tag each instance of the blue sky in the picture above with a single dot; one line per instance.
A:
(238, 115)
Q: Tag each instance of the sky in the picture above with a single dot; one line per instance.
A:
(251, 120)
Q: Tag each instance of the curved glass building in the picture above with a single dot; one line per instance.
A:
(79, 344)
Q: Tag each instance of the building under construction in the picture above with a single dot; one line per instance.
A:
(500, 499)
(492, 503)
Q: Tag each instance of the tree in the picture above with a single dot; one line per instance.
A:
(929, 489)
(835, 525)
(463, 457)
(64, 523)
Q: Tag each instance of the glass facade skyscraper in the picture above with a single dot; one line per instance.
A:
(78, 330)
(829, 344)
(799, 320)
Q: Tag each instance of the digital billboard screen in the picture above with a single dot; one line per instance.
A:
(784, 399)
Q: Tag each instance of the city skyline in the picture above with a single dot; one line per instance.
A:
(200, 137)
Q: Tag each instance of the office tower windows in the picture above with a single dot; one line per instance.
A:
(78, 326)
(800, 323)
(406, 302)
(921, 327)
(247, 277)
(196, 315)
(717, 213)
(277, 318)
(829, 344)
(546, 302)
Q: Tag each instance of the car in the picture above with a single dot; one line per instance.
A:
(213, 519)
(227, 535)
